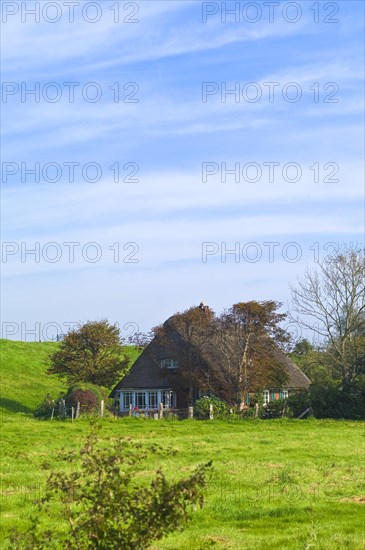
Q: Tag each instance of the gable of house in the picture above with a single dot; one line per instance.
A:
(146, 371)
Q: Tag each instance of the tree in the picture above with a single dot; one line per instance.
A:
(140, 339)
(228, 355)
(330, 302)
(248, 347)
(92, 353)
(302, 347)
(106, 506)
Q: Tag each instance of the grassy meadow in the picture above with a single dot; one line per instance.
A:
(276, 484)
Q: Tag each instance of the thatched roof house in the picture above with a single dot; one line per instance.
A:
(154, 378)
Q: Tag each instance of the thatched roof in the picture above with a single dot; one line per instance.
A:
(297, 378)
(146, 372)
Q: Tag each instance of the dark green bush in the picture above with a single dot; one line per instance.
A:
(339, 402)
(275, 409)
(298, 403)
(44, 409)
(331, 401)
(202, 406)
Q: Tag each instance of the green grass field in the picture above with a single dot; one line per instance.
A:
(276, 484)
(23, 378)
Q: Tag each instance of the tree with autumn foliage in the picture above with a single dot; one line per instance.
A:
(228, 355)
(248, 348)
(93, 353)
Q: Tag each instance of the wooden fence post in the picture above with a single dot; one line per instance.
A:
(191, 412)
(77, 409)
(161, 411)
(102, 407)
(52, 414)
(130, 409)
(256, 410)
(62, 408)
(72, 413)
(211, 411)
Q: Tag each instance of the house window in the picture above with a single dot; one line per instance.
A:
(126, 399)
(266, 395)
(141, 399)
(147, 400)
(152, 399)
(169, 364)
(284, 394)
(167, 399)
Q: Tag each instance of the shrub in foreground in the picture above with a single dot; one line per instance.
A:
(104, 504)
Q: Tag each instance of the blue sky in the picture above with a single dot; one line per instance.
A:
(139, 241)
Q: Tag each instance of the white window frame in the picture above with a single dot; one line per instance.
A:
(285, 394)
(266, 396)
(126, 398)
(152, 399)
(140, 397)
(129, 397)
(168, 399)
(169, 363)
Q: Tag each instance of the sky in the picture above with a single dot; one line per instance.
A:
(156, 154)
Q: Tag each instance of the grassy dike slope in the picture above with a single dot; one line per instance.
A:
(23, 378)
(24, 382)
